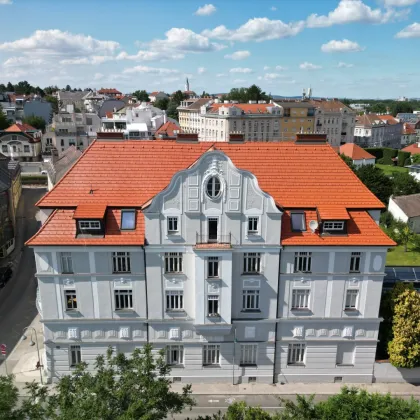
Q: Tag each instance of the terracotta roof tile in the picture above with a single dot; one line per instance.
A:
(106, 90)
(20, 127)
(247, 108)
(413, 149)
(90, 211)
(355, 152)
(330, 105)
(389, 119)
(329, 212)
(362, 230)
(168, 129)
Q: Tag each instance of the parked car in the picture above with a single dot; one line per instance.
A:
(5, 274)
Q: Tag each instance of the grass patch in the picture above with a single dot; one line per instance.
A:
(391, 170)
(397, 256)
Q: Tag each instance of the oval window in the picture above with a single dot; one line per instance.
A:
(213, 187)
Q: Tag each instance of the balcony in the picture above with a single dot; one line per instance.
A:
(213, 241)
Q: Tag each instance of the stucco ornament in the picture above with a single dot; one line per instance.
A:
(214, 170)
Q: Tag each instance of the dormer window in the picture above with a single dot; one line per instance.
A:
(128, 219)
(298, 222)
(333, 225)
(89, 224)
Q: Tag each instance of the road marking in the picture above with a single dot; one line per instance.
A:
(230, 400)
(213, 401)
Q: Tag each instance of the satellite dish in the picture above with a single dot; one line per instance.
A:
(313, 225)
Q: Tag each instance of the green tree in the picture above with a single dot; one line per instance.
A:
(205, 94)
(36, 122)
(376, 181)
(24, 88)
(8, 399)
(348, 160)
(54, 103)
(398, 107)
(10, 87)
(2, 87)
(405, 184)
(378, 108)
(68, 88)
(177, 97)
(4, 122)
(162, 103)
(404, 349)
(303, 409)
(241, 411)
(415, 158)
(171, 110)
(141, 95)
(403, 235)
(345, 101)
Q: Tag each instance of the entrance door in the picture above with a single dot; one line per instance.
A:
(213, 221)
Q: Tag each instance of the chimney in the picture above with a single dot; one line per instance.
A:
(311, 138)
(164, 117)
(187, 137)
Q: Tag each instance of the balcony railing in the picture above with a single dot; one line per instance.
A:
(213, 239)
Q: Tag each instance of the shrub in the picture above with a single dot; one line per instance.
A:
(378, 152)
(402, 157)
(407, 162)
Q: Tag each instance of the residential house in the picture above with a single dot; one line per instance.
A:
(414, 148)
(226, 256)
(155, 96)
(359, 107)
(110, 105)
(334, 119)
(417, 128)
(111, 93)
(359, 156)
(93, 101)
(75, 98)
(407, 209)
(22, 142)
(393, 130)
(169, 131)
(13, 106)
(409, 135)
(408, 117)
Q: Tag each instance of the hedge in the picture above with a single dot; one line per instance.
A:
(383, 153)
(402, 157)
(34, 179)
(376, 151)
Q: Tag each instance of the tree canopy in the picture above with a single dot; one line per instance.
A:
(4, 122)
(36, 122)
(374, 178)
(244, 95)
(405, 184)
(162, 103)
(141, 95)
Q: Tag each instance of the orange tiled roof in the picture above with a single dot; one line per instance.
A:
(362, 230)
(21, 128)
(90, 211)
(247, 108)
(413, 149)
(106, 90)
(168, 129)
(330, 212)
(330, 105)
(409, 129)
(355, 152)
(389, 119)
(60, 229)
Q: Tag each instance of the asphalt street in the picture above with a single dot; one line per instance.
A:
(17, 298)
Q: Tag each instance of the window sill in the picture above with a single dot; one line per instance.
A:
(121, 272)
(71, 311)
(175, 311)
(174, 273)
(302, 272)
(213, 278)
(351, 310)
(256, 273)
(213, 316)
(255, 311)
(67, 272)
(296, 364)
(248, 365)
(344, 365)
(300, 310)
(211, 366)
(354, 272)
(177, 366)
(128, 310)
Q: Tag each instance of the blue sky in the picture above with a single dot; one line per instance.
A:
(340, 48)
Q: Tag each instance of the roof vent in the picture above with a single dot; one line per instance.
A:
(313, 225)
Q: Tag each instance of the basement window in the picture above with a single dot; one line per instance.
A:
(128, 219)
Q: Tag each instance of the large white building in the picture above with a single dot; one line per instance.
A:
(246, 261)
(21, 142)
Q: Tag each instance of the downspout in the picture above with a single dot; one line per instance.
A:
(276, 324)
(145, 290)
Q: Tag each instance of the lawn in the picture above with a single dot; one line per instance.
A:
(390, 170)
(397, 256)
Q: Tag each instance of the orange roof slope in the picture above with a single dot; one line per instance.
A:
(130, 173)
(60, 229)
(362, 230)
(247, 108)
(329, 212)
(355, 152)
(168, 129)
(20, 127)
(413, 149)
(90, 211)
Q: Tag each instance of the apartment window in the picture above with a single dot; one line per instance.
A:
(89, 224)
(26, 149)
(303, 262)
(249, 354)
(298, 222)
(300, 298)
(173, 262)
(128, 219)
(4, 149)
(121, 262)
(123, 299)
(250, 300)
(172, 225)
(175, 355)
(213, 187)
(213, 267)
(351, 299)
(355, 262)
(14, 148)
(174, 300)
(296, 354)
(213, 305)
(66, 262)
(333, 225)
(62, 142)
(253, 225)
(252, 262)
(75, 355)
(211, 355)
(71, 300)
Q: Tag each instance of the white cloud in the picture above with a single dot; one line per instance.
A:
(309, 66)
(95, 59)
(149, 70)
(143, 55)
(351, 11)
(400, 3)
(184, 40)
(272, 76)
(266, 67)
(411, 31)
(281, 68)
(244, 70)
(22, 62)
(273, 8)
(201, 70)
(238, 55)
(98, 76)
(220, 75)
(257, 29)
(206, 10)
(342, 65)
(236, 81)
(341, 46)
(5, 2)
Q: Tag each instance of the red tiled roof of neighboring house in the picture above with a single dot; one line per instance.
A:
(368, 120)
(247, 108)
(361, 230)
(90, 211)
(109, 114)
(168, 129)
(409, 129)
(412, 148)
(331, 212)
(104, 91)
(154, 93)
(330, 105)
(389, 119)
(25, 130)
(18, 127)
(355, 152)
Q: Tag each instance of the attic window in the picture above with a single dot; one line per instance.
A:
(89, 224)
(298, 222)
(333, 225)
(128, 219)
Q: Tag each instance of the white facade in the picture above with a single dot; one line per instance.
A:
(20, 147)
(155, 96)
(215, 289)
(372, 131)
(399, 214)
(363, 162)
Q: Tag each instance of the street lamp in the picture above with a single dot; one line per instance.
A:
(24, 337)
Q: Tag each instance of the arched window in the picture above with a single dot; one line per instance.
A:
(213, 187)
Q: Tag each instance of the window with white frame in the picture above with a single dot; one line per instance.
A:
(303, 262)
(213, 305)
(250, 300)
(213, 267)
(173, 262)
(89, 224)
(175, 355)
(75, 355)
(66, 262)
(298, 222)
(174, 300)
(121, 262)
(355, 262)
(300, 298)
(71, 300)
(333, 225)
(211, 354)
(252, 262)
(123, 299)
(352, 296)
(296, 354)
(253, 225)
(249, 354)
(172, 224)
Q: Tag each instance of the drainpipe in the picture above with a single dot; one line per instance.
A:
(145, 292)
(277, 316)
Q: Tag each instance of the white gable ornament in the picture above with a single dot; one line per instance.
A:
(214, 170)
